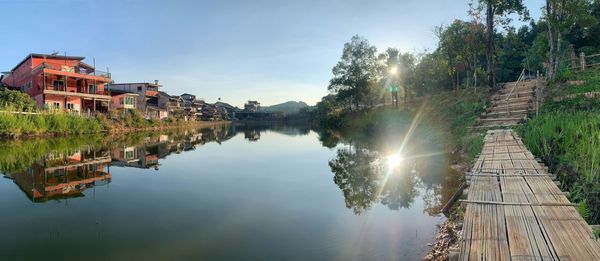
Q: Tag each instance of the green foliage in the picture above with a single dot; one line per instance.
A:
(355, 73)
(583, 210)
(16, 100)
(590, 82)
(566, 134)
(14, 125)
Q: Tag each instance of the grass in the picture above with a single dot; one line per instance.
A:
(61, 124)
(15, 125)
(566, 135)
(590, 82)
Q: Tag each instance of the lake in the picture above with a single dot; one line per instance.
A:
(228, 192)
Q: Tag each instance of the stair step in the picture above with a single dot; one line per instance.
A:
(513, 100)
(512, 107)
(509, 88)
(498, 116)
(511, 104)
(520, 94)
(496, 125)
(501, 112)
(501, 119)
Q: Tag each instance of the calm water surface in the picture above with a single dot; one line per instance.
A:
(226, 192)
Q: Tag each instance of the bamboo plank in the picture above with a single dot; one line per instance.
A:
(515, 211)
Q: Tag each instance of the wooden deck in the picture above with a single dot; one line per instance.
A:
(515, 211)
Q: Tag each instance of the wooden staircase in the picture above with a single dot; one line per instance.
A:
(510, 105)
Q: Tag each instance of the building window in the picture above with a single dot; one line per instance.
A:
(70, 106)
(129, 100)
(92, 88)
(139, 88)
(56, 105)
(58, 85)
(129, 154)
(121, 100)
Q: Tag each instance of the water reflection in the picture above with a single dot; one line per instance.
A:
(214, 188)
(61, 168)
(63, 175)
(56, 169)
(370, 171)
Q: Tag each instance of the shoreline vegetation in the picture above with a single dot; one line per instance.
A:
(565, 135)
(19, 117)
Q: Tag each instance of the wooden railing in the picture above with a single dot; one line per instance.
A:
(585, 61)
(516, 87)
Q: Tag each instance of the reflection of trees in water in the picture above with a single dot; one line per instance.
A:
(361, 175)
(328, 138)
(436, 195)
(400, 190)
(252, 131)
(365, 179)
(357, 177)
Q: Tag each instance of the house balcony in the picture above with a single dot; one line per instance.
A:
(98, 95)
(81, 72)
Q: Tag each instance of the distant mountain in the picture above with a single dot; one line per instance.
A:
(286, 107)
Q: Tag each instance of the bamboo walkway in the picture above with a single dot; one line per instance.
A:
(514, 210)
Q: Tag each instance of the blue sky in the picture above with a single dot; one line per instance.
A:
(267, 50)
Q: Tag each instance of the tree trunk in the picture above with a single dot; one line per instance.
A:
(558, 52)
(489, 47)
(451, 67)
(550, 68)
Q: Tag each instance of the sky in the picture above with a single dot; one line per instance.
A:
(267, 50)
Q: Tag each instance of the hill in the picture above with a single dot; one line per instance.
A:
(289, 107)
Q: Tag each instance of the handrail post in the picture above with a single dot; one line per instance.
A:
(582, 60)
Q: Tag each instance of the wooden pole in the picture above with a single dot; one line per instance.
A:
(573, 57)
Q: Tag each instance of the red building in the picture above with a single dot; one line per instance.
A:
(60, 82)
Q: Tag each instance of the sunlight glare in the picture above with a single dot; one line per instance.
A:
(394, 160)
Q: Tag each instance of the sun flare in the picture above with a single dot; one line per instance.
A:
(394, 160)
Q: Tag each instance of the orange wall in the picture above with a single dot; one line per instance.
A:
(21, 75)
(54, 62)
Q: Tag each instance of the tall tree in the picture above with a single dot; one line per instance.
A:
(356, 72)
(494, 9)
(561, 17)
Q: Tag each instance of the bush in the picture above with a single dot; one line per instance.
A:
(16, 101)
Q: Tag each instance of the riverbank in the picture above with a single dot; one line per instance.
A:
(566, 136)
(20, 125)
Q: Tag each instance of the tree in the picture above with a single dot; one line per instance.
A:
(511, 55)
(498, 8)
(16, 100)
(462, 42)
(356, 72)
(561, 17)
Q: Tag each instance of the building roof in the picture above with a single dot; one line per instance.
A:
(152, 93)
(224, 104)
(142, 83)
(52, 56)
(120, 92)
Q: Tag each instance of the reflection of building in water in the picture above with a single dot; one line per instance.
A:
(135, 157)
(61, 175)
(252, 134)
